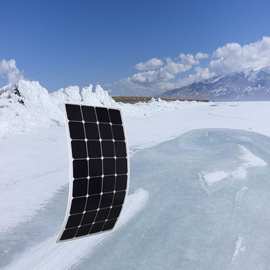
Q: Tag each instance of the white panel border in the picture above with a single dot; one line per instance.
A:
(70, 188)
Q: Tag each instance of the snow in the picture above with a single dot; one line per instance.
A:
(214, 177)
(34, 173)
(249, 160)
(27, 171)
(239, 247)
(49, 254)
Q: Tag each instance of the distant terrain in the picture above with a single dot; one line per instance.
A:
(136, 99)
(248, 85)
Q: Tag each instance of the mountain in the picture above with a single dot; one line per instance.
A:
(248, 85)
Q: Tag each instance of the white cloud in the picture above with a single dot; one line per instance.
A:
(175, 68)
(201, 56)
(157, 73)
(151, 64)
(146, 77)
(234, 58)
(188, 59)
(199, 74)
(9, 71)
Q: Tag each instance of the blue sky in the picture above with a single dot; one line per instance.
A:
(60, 43)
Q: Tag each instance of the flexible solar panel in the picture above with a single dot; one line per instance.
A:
(99, 170)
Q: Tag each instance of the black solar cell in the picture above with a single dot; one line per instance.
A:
(121, 182)
(89, 114)
(74, 220)
(94, 149)
(76, 130)
(115, 116)
(114, 213)
(91, 131)
(80, 168)
(77, 205)
(105, 131)
(121, 165)
(107, 149)
(118, 132)
(89, 217)
(108, 183)
(120, 149)
(108, 225)
(80, 187)
(95, 167)
(73, 112)
(102, 114)
(78, 149)
(95, 185)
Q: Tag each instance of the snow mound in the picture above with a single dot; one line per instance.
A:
(31, 105)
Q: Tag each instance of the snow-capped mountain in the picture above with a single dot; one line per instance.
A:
(248, 85)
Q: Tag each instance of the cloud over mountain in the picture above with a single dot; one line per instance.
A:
(158, 75)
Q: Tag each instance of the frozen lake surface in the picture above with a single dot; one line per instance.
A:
(203, 203)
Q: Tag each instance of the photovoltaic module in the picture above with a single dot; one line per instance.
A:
(99, 170)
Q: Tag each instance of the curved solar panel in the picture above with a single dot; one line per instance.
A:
(99, 168)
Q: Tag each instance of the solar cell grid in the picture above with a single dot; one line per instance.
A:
(100, 170)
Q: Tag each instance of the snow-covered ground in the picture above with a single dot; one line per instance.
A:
(34, 179)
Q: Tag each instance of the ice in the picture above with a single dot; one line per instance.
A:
(185, 227)
(249, 161)
(172, 221)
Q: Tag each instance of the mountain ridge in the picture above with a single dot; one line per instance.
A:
(242, 86)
